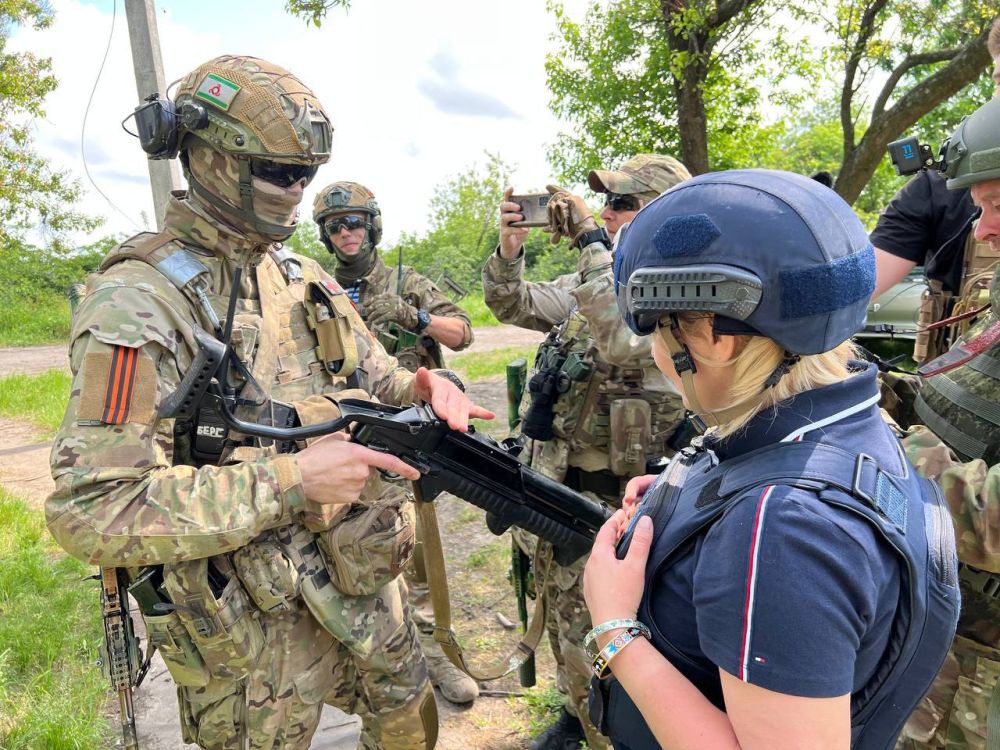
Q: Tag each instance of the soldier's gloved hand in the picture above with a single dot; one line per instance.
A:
(391, 308)
(569, 216)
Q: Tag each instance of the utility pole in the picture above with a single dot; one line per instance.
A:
(164, 174)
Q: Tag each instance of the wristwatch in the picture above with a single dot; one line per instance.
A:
(423, 320)
(594, 235)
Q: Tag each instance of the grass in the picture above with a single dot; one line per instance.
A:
(51, 695)
(40, 399)
(472, 367)
(34, 322)
(479, 314)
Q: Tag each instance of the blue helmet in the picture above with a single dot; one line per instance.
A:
(770, 253)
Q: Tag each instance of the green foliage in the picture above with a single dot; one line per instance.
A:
(544, 702)
(51, 695)
(314, 11)
(31, 194)
(34, 282)
(306, 242)
(491, 364)
(464, 226)
(479, 314)
(42, 399)
(617, 79)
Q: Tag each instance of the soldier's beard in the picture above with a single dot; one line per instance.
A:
(218, 173)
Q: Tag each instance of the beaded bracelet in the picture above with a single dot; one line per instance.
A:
(604, 627)
(602, 662)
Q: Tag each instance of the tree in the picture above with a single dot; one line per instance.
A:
(669, 76)
(926, 50)
(31, 194)
(314, 11)
(464, 229)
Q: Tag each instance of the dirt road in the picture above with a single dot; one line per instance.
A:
(477, 562)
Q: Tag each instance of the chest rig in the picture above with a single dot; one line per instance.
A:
(695, 491)
(575, 396)
(945, 316)
(283, 341)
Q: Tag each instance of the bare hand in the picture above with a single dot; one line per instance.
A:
(335, 470)
(511, 238)
(612, 587)
(634, 491)
(448, 402)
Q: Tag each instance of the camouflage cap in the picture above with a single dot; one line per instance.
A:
(645, 175)
(256, 108)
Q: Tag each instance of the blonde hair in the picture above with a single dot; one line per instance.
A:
(757, 357)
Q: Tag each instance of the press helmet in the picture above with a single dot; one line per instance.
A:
(770, 253)
(256, 112)
(348, 197)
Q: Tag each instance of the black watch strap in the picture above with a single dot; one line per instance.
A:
(594, 235)
(423, 320)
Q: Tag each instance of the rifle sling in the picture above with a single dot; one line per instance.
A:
(437, 582)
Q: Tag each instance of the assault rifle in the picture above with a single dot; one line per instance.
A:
(120, 651)
(469, 464)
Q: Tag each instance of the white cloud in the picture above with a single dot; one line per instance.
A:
(417, 92)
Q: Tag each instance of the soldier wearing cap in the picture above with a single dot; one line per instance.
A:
(412, 318)
(269, 576)
(959, 402)
(596, 409)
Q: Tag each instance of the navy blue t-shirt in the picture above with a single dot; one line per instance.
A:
(786, 591)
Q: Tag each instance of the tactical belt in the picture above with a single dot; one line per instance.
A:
(602, 483)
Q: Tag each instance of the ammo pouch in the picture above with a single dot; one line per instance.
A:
(217, 615)
(169, 636)
(369, 547)
(934, 306)
(630, 435)
(270, 580)
(329, 315)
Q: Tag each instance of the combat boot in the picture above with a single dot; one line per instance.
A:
(455, 685)
(565, 734)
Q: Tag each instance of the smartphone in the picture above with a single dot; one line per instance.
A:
(534, 207)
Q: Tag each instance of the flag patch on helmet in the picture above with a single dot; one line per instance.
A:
(218, 91)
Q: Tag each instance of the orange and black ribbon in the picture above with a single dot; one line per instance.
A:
(121, 384)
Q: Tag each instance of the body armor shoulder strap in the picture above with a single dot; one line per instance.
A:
(161, 251)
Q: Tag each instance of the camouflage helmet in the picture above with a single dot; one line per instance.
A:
(972, 154)
(261, 119)
(645, 175)
(346, 197)
(255, 108)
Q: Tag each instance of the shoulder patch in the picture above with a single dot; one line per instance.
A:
(119, 386)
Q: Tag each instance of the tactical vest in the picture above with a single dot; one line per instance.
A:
(344, 555)
(978, 265)
(962, 407)
(694, 491)
(606, 407)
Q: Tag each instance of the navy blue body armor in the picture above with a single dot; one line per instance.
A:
(696, 490)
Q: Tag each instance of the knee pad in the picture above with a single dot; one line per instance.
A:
(413, 726)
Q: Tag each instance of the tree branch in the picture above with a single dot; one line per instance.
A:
(725, 11)
(911, 62)
(866, 28)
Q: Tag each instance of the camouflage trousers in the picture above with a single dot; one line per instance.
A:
(301, 666)
(953, 714)
(567, 624)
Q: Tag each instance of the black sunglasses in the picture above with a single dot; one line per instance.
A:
(281, 174)
(332, 226)
(617, 202)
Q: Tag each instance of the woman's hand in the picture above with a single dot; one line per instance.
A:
(613, 587)
(634, 491)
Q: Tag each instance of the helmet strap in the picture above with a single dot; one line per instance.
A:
(684, 364)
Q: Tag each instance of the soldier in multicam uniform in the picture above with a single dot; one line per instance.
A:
(960, 448)
(411, 318)
(611, 409)
(277, 572)
(408, 313)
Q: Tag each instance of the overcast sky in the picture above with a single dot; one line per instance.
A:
(417, 91)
